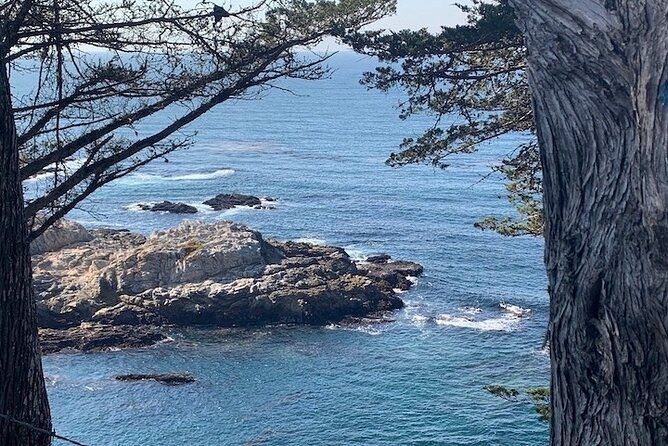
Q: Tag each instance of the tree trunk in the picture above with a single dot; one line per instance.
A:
(598, 71)
(22, 390)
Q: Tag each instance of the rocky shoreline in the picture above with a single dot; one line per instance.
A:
(102, 289)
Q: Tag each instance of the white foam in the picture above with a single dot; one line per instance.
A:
(268, 203)
(134, 207)
(420, 319)
(139, 178)
(67, 167)
(470, 310)
(204, 176)
(39, 177)
(312, 241)
(370, 330)
(357, 254)
(202, 208)
(236, 210)
(506, 323)
(514, 310)
(412, 279)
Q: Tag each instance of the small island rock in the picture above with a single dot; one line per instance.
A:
(170, 379)
(228, 201)
(168, 206)
(201, 274)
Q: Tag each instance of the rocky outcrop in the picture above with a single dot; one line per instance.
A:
(197, 274)
(229, 201)
(98, 338)
(169, 379)
(379, 258)
(400, 275)
(168, 206)
(62, 233)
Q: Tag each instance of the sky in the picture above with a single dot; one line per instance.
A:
(431, 14)
(412, 14)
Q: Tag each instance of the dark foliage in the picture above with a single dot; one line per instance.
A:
(103, 69)
(474, 72)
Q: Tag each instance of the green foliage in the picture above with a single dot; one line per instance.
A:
(502, 391)
(541, 399)
(538, 396)
(474, 72)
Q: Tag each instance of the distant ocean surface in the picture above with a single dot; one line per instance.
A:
(417, 381)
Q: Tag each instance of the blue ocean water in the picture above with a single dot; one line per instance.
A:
(417, 381)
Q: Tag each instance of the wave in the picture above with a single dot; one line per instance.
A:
(505, 323)
(48, 172)
(470, 310)
(420, 319)
(311, 241)
(139, 178)
(356, 253)
(366, 329)
(412, 279)
(203, 176)
(201, 208)
(514, 310)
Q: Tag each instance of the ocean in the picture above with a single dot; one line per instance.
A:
(417, 381)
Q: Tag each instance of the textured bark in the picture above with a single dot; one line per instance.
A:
(22, 390)
(599, 77)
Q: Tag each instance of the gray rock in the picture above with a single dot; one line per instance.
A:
(398, 274)
(170, 379)
(97, 338)
(380, 258)
(198, 274)
(168, 206)
(229, 201)
(62, 233)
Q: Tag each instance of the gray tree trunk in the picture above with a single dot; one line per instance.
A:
(599, 77)
(22, 390)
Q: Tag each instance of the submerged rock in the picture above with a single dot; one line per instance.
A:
(168, 206)
(198, 274)
(229, 201)
(170, 379)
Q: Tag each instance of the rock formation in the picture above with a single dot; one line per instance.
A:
(398, 274)
(61, 234)
(169, 379)
(198, 274)
(168, 206)
(229, 201)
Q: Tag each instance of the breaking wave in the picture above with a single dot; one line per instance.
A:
(505, 323)
(514, 309)
(139, 178)
(509, 321)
